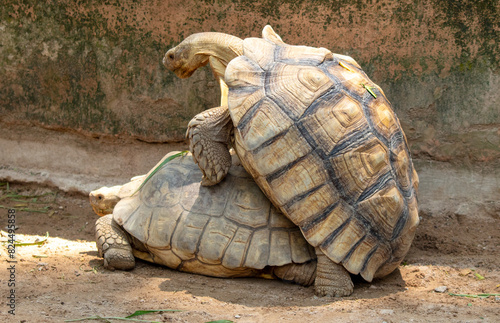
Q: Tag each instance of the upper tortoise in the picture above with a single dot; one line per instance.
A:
(320, 139)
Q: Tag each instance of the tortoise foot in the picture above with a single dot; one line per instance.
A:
(331, 279)
(113, 244)
(209, 134)
(119, 259)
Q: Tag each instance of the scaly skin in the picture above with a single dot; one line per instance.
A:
(331, 279)
(113, 244)
(209, 135)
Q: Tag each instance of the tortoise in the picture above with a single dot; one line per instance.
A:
(229, 230)
(323, 143)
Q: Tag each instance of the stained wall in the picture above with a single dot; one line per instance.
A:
(94, 67)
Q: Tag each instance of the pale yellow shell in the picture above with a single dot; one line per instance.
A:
(328, 153)
(225, 230)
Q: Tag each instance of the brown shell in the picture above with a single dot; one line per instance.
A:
(328, 153)
(223, 230)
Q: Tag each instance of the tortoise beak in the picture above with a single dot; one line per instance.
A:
(168, 59)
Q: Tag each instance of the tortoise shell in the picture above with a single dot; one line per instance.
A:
(224, 230)
(323, 143)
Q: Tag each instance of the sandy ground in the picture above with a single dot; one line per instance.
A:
(63, 279)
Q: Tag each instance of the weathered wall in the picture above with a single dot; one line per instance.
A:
(95, 66)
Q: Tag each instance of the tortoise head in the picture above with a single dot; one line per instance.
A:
(104, 200)
(185, 58)
(196, 50)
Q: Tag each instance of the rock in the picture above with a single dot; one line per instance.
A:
(441, 289)
(386, 312)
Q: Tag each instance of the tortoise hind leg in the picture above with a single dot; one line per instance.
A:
(302, 274)
(331, 279)
(113, 244)
(209, 134)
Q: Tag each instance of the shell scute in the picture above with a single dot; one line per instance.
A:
(358, 169)
(384, 119)
(383, 209)
(289, 147)
(295, 87)
(215, 239)
(314, 204)
(400, 163)
(376, 259)
(159, 235)
(339, 245)
(186, 237)
(258, 250)
(259, 51)
(351, 79)
(266, 121)
(301, 250)
(333, 121)
(248, 206)
(298, 178)
(236, 251)
(246, 81)
(358, 257)
(278, 220)
(280, 253)
(303, 55)
(327, 224)
(211, 202)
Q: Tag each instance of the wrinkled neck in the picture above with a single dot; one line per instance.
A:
(222, 47)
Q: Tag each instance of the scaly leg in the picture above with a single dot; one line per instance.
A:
(302, 274)
(331, 279)
(209, 134)
(113, 244)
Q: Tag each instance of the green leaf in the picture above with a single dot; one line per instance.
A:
(483, 295)
(478, 276)
(169, 158)
(137, 313)
(369, 89)
(38, 243)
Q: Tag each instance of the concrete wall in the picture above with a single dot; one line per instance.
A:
(94, 67)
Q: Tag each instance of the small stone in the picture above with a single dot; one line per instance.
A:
(497, 298)
(386, 312)
(441, 289)
(237, 316)
(373, 287)
(464, 272)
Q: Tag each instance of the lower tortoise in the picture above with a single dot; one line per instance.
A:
(230, 230)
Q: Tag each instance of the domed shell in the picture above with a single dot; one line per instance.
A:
(213, 229)
(323, 143)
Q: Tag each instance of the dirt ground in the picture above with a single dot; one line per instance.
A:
(63, 279)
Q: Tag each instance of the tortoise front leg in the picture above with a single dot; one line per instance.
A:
(209, 133)
(331, 279)
(113, 244)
